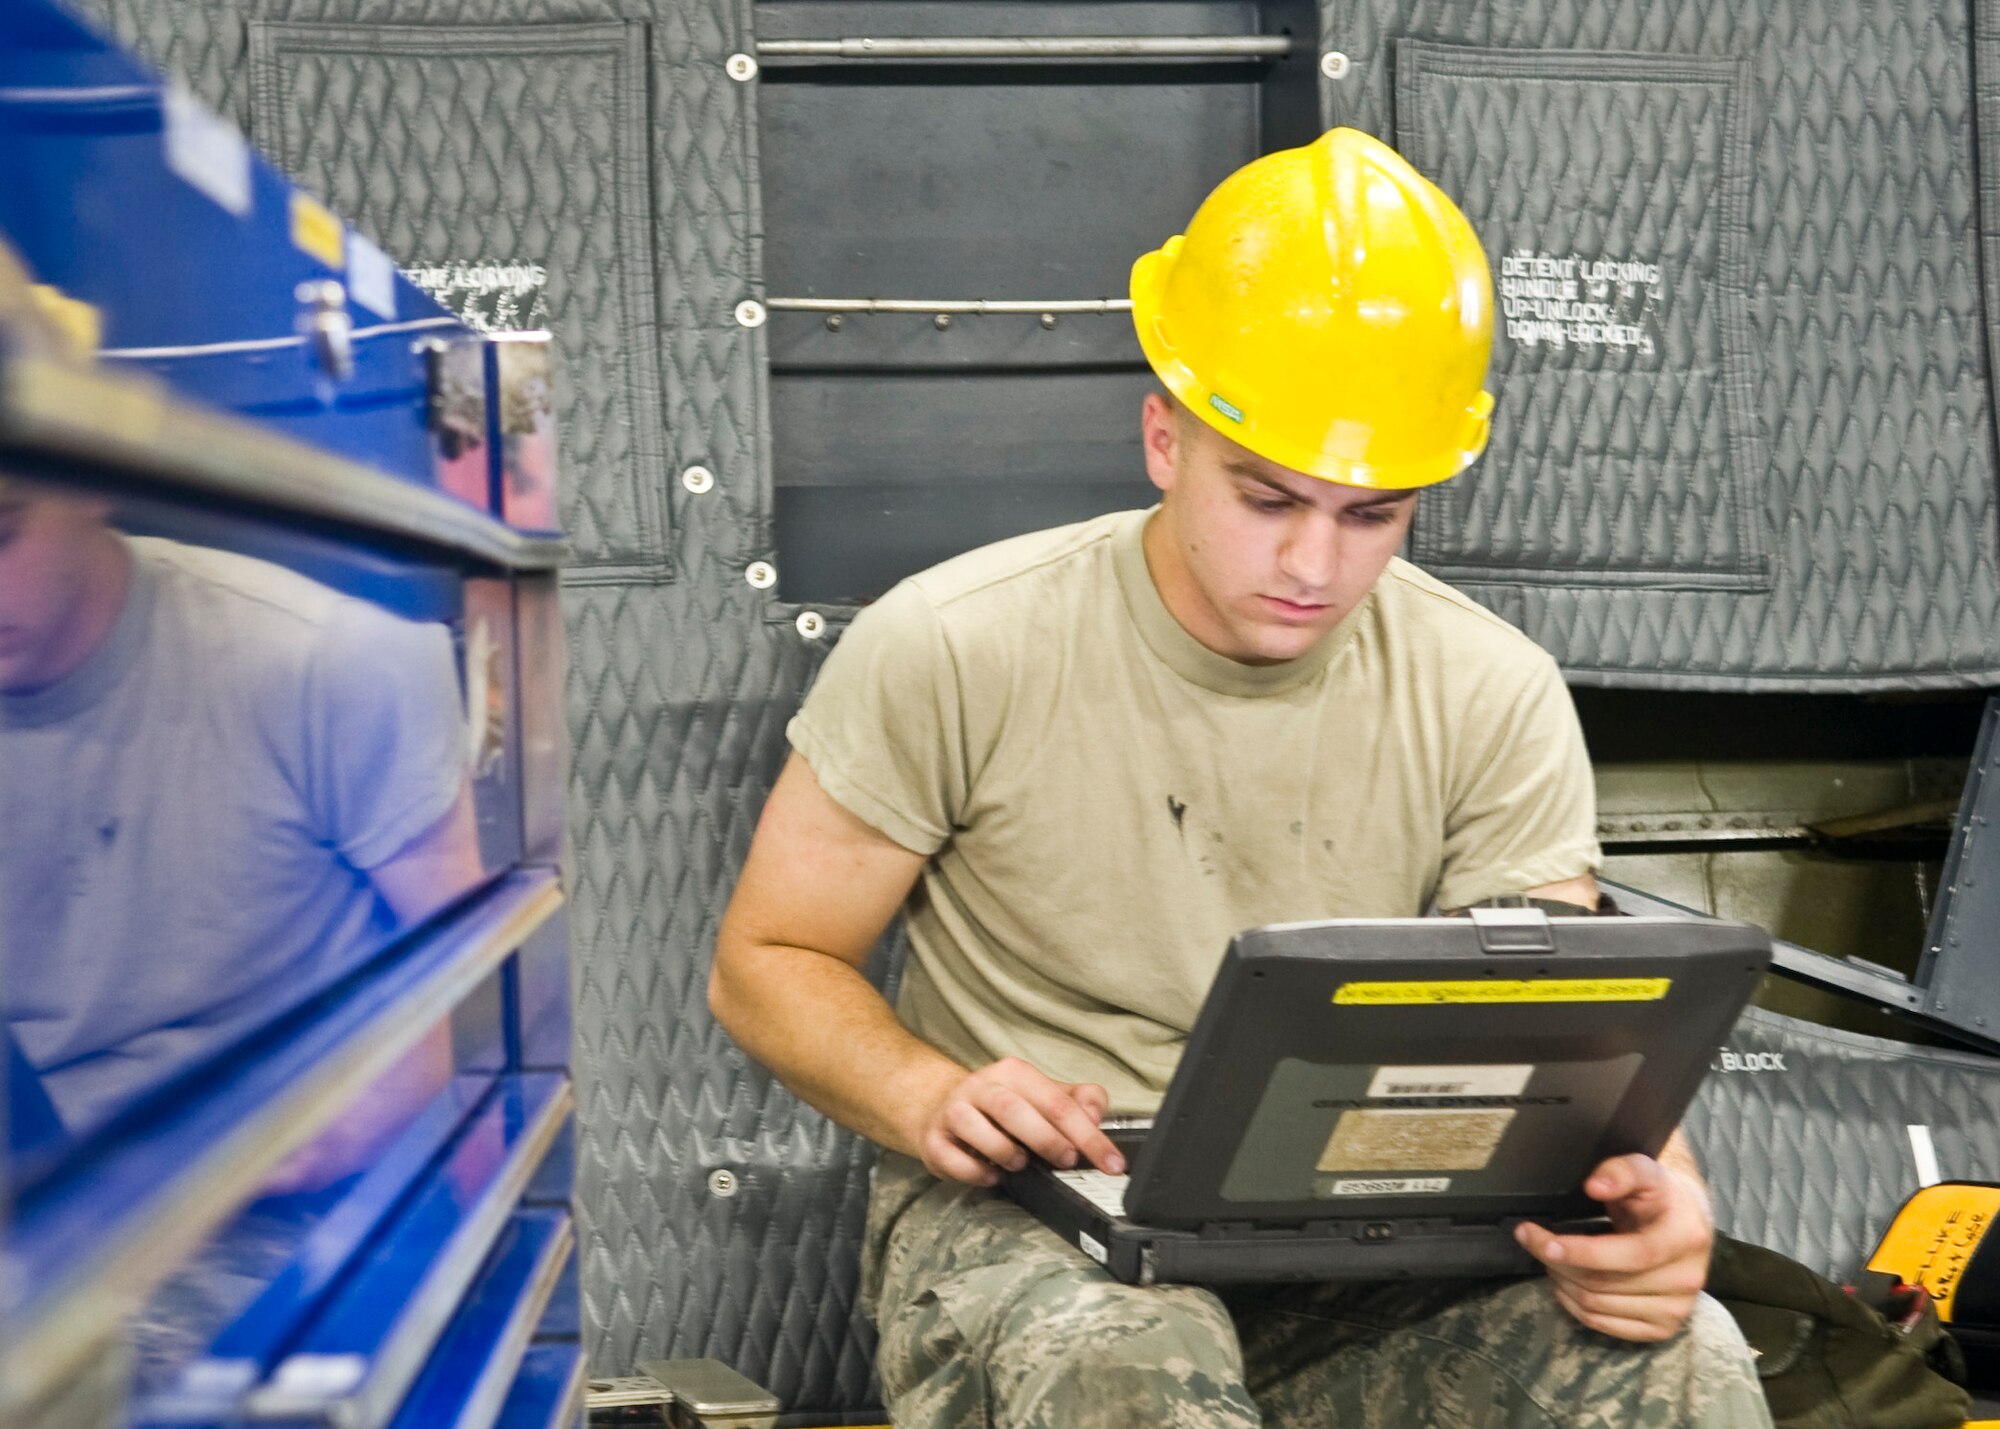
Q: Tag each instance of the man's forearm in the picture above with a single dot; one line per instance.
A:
(830, 1037)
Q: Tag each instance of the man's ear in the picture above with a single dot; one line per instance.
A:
(1160, 437)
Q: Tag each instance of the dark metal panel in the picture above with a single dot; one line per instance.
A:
(1962, 949)
(899, 440)
(893, 184)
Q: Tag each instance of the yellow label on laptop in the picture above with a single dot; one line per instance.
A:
(1538, 989)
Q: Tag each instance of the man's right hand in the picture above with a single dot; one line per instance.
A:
(992, 1118)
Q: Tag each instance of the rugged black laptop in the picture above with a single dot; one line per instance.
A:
(1384, 1098)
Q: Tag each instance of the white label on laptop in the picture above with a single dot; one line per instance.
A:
(1092, 1247)
(1450, 1081)
(1389, 1185)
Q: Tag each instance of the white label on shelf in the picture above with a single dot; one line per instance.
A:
(206, 151)
(371, 277)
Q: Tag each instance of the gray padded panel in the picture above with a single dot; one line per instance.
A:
(1623, 457)
(668, 791)
(504, 144)
(201, 43)
(1852, 510)
(1814, 1159)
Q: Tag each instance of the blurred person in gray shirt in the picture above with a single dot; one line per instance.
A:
(221, 786)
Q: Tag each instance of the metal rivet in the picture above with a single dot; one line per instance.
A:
(1048, 319)
(698, 479)
(750, 313)
(761, 574)
(742, 68)
(941, 321)
(1333, 64)
(722, 1182)
(835, 322)
(321, 293)
(811, 624)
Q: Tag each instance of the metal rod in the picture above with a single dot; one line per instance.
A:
(985, 306)
(1037, 47)
(266, 344)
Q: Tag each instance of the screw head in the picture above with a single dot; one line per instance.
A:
(698, 479)
(762, 575)
(321, 293)
(722, 1182)
(741, 68)
(1048, 320)
(941, 321)
(835, 322)
(750, 313)
(811, 624)
(1334, 65)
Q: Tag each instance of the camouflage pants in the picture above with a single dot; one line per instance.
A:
(987, 1318)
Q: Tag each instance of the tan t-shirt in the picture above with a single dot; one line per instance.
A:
(1106, 801)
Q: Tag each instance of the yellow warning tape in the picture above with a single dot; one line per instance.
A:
(1546, 989)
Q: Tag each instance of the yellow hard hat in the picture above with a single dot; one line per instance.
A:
(1330, 309)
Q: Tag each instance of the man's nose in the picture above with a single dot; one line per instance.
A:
(1311, 553)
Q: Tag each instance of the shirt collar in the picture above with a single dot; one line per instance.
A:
(101, 670)
(1186, 656)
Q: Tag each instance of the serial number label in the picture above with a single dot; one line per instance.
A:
(1389, 1185)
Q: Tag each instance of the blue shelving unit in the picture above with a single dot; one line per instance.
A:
(230, 365)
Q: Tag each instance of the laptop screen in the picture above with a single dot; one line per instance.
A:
(1445, 1066)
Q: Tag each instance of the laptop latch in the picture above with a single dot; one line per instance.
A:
(1513, 930)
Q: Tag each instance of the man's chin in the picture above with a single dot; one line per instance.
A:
(1269, 645)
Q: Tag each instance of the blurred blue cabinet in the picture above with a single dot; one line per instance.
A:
(353, 1209)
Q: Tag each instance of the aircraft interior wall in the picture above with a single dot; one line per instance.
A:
(1742, 480)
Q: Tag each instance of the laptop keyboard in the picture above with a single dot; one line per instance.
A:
(1100, 1188)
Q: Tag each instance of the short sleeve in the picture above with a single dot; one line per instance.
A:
(1525, 812)
(386, 731)
(881, 727)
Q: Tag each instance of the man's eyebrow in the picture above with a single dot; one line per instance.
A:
(1249, 472)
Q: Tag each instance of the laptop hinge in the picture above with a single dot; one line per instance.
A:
(1513, 930)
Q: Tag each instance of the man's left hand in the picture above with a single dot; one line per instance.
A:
(1639, 1281)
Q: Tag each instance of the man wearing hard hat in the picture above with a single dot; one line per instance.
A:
(1079, 761)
